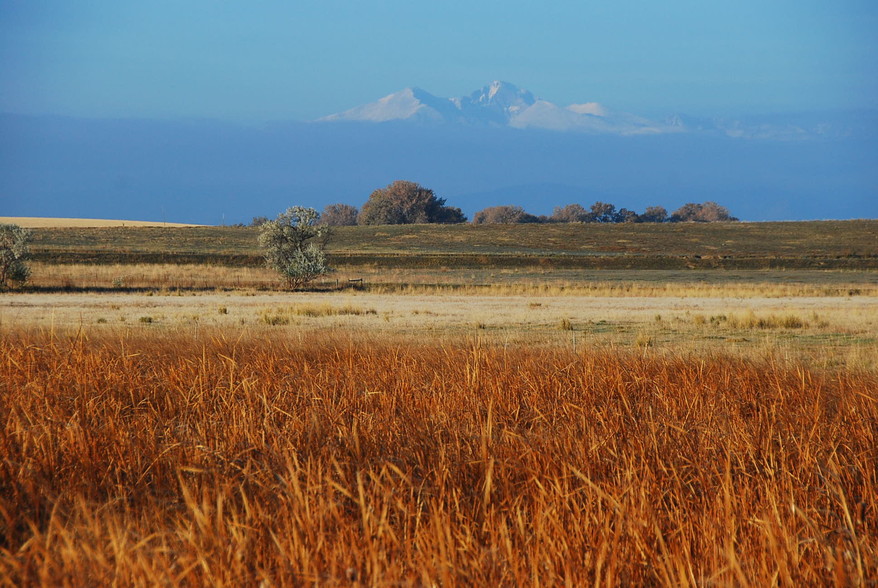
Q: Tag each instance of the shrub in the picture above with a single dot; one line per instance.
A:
(654, 214)
(339, 215)
(13, 254)
(503, 215)
(293, 246)
(709, 212)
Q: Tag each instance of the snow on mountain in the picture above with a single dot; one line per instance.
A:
(501, 104)
(585, 118)
(589, 108)
(407, 104)
(496, 103)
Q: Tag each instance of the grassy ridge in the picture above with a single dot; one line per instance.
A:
(169, 460)
(824, 244)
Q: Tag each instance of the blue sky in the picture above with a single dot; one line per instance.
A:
(268, 59)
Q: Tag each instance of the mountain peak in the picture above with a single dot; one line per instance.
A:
(498, 104)
(502, 97)
(408, 104)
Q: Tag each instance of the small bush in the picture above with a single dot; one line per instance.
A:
(283, 316)
(274, 319)
(13, 254)
(772, 321)
(293, 246)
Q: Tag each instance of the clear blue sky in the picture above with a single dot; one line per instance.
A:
(301, 59)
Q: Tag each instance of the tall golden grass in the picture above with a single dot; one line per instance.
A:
(176, 460)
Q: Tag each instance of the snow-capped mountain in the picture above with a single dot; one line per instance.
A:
(499, 104)
(411, 104)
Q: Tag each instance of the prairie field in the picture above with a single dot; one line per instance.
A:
(191, 277)
(429, 416)
(289, 458)
(850, 245)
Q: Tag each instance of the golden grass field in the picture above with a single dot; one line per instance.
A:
(193, 424)
(292, 457)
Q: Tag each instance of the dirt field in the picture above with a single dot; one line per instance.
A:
(33, 222)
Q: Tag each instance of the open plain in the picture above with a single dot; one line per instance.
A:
(505, 420)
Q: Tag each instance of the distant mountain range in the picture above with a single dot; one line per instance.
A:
(499, 145)
(501, 104)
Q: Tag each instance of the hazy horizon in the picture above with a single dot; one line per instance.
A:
(96, 97)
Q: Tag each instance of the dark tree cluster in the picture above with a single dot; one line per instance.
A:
(600, 212)
(399, 203)
(603, 212)
(403, 202)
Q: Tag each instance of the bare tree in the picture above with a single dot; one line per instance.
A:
(654, 214)
(572, 213)
(709, 212)
(503, 215)
(626, 216)
(603, 212)
(339, 215)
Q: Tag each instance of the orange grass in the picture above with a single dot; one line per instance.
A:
(171, 460)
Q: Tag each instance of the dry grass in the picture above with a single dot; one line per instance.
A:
(285, 315)
(632, 283)
(294, 459)
(752, 320)
(156, 276)
(840, 332)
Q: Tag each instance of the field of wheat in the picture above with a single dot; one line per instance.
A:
(156, 458)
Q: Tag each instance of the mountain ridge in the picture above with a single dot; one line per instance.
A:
(502, 104)
(497, 104)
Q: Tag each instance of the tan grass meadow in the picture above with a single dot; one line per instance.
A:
(223, 458)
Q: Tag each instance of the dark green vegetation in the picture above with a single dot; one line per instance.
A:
(817, 244)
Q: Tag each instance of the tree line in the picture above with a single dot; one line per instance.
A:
(404, 202)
